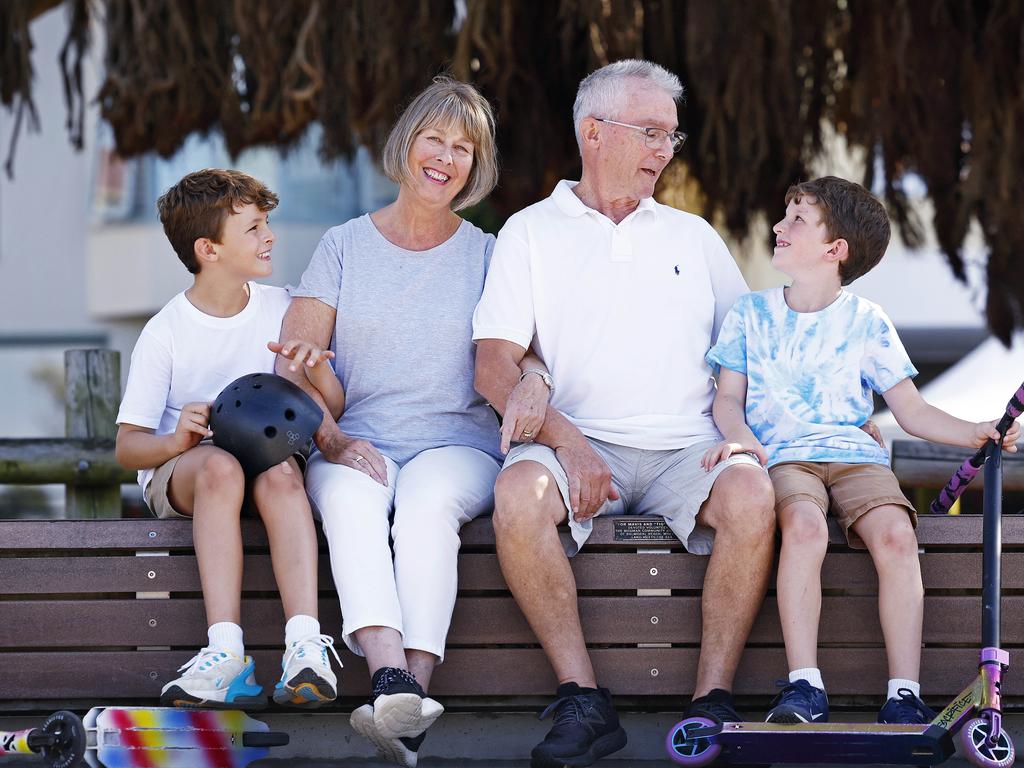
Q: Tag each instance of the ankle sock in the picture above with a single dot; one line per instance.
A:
(896, 683)
(227, 636)
(298, 627)
(811, 674)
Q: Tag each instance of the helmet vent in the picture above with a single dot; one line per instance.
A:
(289, 414)
(256, 386)
(219, 407)
(238, 403)
(270, 432)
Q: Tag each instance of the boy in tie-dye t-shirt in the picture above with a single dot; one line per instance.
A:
(797, 368)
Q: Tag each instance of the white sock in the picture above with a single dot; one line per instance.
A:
(811, 674)
(227, 636)
(896, 683)
(299, 627)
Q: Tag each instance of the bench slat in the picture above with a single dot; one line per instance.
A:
(962, 531)
(477, 573)
(114, 676)
(476, 621)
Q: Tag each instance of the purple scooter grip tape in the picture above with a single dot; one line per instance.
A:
(969, 469)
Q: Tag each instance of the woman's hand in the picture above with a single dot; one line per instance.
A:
(355, 453)
(525, 409)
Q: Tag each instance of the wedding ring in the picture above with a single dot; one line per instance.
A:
(360, 458)
(527, 435)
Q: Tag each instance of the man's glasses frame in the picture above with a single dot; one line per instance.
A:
(655, 136)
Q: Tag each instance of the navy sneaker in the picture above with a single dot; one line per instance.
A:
(586, 728)
(906, 709)
(717, 705)
(799, 702)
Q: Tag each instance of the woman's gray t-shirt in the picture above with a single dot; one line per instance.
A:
(403, 336)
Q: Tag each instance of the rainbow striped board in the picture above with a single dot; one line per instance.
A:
(161, 737)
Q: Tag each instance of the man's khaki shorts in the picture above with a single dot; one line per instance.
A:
(850, 490)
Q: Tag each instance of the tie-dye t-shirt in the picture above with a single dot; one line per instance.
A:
(810, 374)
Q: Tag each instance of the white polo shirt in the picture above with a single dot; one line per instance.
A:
(622, 314)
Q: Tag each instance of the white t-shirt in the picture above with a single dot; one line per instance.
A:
(184, 356)
(622, 314)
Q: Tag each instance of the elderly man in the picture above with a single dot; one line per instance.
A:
(621, 297)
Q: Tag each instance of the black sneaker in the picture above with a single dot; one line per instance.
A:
(586, 728)
(799, 702)
(400, 707)
(907, 709)
(396, 718)
(716, 705)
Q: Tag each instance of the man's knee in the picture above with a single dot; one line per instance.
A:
(742, 502)
(523, 502)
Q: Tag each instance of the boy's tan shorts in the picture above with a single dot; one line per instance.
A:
(156, 491)
(853, 489)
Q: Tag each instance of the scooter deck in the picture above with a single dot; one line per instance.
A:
(158, 737)
(835, 743)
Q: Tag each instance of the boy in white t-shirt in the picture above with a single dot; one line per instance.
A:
(214, 332)
(797, 369)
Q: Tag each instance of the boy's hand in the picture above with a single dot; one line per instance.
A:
(986, 430)
(193, 425)
(300, 352)
(721, 451)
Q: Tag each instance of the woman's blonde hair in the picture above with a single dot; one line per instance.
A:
(447, 102)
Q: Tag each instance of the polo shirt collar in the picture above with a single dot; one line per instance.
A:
(569, 204)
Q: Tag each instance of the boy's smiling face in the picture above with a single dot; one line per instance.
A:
(245, 244)
(802, 245)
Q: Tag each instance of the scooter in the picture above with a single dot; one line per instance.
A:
(147, 737)
(973, 717)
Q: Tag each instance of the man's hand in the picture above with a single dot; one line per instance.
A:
(300, 352)
(590, 479)
(723, 450)
(986, 430)
(875, 433)
(524, 412)
(193, 425)
(358, 454)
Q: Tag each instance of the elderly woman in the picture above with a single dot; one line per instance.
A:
(393, 292)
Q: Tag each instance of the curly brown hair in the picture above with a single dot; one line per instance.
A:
(199, 204)
(852, 213)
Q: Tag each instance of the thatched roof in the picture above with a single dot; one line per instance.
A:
(932, 87)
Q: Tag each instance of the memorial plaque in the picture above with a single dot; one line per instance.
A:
(642, 529)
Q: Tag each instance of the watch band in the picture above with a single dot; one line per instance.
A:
(544, 376)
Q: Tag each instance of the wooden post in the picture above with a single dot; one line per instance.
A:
(93, 391)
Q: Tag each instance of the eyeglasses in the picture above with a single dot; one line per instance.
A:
(655, 136)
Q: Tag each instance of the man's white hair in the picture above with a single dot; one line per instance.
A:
(603, 91)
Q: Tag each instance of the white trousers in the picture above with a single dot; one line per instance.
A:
(428, 498)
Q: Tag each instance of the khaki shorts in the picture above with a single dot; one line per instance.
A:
(668, 483)
(156, 492)
(852, 489)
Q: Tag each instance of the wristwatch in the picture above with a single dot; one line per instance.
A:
(544, 376)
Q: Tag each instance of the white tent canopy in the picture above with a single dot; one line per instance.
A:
(976, 389)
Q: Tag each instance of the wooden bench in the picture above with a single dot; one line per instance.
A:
(106, 611)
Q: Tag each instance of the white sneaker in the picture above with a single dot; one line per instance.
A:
(215, 678)
(307, 679)
(402, 751)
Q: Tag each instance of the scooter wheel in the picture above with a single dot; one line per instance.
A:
(68, 734)
(685, 749)
(975, 747)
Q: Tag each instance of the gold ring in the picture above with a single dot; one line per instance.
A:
(527, 434)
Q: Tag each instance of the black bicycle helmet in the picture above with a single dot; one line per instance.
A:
(261, 419)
